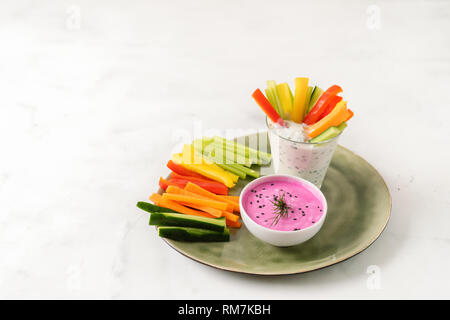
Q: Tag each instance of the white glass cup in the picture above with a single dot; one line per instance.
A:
(309, 161)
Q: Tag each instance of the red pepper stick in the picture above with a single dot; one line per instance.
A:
(183, 171)
(268, 109)
(333, 102)
(213, 186)
(316, 111)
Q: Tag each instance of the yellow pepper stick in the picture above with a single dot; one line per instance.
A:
(205, 170)
(301, 89)
(286, 99)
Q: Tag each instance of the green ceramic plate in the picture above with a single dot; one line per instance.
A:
(359, 206)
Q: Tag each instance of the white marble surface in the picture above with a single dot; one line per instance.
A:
(96, 94)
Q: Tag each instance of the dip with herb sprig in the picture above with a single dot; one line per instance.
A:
(283, 205)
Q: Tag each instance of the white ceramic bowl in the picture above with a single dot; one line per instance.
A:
(277, 237)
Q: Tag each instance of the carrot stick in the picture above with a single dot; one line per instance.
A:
(214, 212)
(232, 198)
(178, 190)
(230, 216)
(350, 115)
(232, 224)
(159, 201)
(199, 190)
(194, 200)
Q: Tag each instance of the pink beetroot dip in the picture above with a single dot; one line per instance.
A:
(305, 207)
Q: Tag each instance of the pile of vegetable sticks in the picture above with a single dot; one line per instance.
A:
(318, 110)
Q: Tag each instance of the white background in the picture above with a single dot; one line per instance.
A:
(93, 95)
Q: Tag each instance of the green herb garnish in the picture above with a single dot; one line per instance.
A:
(280, 208)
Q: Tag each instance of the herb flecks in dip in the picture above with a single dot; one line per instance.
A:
(304, 208)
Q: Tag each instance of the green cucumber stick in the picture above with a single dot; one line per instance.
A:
(315, 95)
(308, 98)
(229, 155)
(342, 126)
(249, 171)
(193, 234)
(244, 150)
(185, 220)
(272, 86)
(152, 208)
(271, 98)
(229, 167)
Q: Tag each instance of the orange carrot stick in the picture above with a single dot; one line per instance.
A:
(230, 216)
(159, 201)
(178, 190)
(334, 118)
(232, 224)
(194, 200)
(232, 198)
(350, 115)
(214, 212)
(199, 190)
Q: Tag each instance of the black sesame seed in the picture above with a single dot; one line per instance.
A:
(257, 217)
(260, 207)
(306, 207)
(313, 221)
(303, 214)
(295, 219)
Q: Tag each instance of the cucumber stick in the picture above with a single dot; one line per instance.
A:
(271, 98)
(315, 95)
(184, 220)
(228, 155)
(152, 208)
(328, 134)
(308, 99)
(229, 167)
(224, 166)
(342, 126)
(193, 234)
(244, 150)
(272, 87)
(250, 172)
